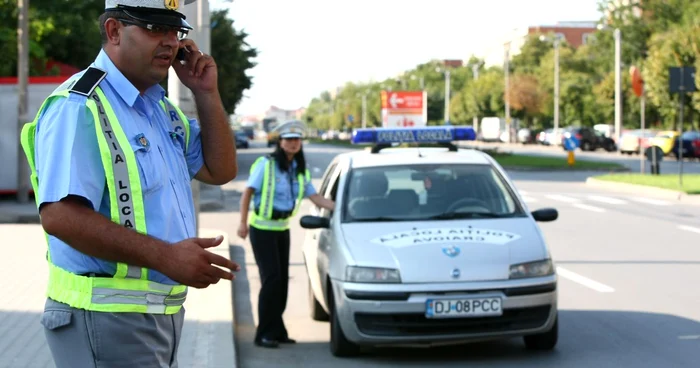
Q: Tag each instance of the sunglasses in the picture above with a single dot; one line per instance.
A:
(158, 29)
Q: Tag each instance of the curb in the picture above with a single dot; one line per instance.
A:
(644, 189)
(564, 169)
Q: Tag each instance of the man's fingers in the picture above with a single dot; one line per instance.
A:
(218, 273)
(209, 242)
(223, 262)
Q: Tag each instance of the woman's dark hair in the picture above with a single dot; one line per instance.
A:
(281, 158)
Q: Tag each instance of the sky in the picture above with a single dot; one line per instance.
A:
(309, 46)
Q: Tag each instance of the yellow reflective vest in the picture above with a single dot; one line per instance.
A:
(263, 220)
(129, 290)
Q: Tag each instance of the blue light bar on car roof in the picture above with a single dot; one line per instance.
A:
(434, 134)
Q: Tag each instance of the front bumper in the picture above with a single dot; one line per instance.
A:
(394, 314)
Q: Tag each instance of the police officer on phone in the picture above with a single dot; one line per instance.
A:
(112, 159)
(277, 185)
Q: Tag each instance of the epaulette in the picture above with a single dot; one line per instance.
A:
(88, 81)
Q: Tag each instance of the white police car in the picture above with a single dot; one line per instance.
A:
(427, 246)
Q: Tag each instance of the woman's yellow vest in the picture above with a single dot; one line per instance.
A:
(263, 220)
(129, 290)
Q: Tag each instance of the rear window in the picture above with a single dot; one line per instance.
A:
(425, 192)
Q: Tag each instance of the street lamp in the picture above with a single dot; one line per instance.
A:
(447, 93)
(556, 80)
(618, 79)
(422, 81)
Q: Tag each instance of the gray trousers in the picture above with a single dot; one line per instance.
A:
(84, 339)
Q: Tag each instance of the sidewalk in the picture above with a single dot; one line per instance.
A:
(208, 332)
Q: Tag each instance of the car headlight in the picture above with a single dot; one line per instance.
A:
(372, 274)
(532, 269)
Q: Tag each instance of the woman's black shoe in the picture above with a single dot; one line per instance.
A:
(267, 343)
(287, 340)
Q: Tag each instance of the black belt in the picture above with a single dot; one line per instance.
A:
(92, 274)
(276, 215)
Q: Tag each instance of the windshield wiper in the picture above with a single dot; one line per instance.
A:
(462, 215)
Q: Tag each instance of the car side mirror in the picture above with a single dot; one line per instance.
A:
(545, 214)
(314, 222)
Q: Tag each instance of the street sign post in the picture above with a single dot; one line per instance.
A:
(638, 88)
(681, 80)
(403, 109)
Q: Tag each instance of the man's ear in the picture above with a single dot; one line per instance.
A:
(114, 29)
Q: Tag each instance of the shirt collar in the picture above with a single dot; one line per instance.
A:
(123, 86)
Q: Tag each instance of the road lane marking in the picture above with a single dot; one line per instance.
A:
(561, 198)
(529, 199)
(585, 281)
(589, 208)
(606, 199)
(522, 192)
(655, 202)
(689, 228)
(689, 337)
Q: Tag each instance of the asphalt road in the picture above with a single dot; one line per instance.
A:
(629, 267)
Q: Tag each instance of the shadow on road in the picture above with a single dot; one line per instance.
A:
(586, 339)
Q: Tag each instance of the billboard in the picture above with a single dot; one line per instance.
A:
(404, 109)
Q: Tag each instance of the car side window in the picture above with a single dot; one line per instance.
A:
(331, 194)
(324, 184)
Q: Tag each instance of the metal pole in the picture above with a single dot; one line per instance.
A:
(618, 86)
(556, 86)
(364, 111)
(475, 71)
(507, 100)
(641, 148)
(447, 96)
(680, 132)
(23, 184)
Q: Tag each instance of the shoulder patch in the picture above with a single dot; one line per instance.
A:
(88, 81)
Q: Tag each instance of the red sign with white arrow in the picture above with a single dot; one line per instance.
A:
(404, 108)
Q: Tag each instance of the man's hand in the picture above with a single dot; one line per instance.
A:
(199, 72)
(188, 263)
(243, 230)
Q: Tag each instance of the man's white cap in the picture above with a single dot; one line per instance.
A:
(292, 129)
(165, 12)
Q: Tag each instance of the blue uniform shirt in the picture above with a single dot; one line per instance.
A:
(68, 163)
(284, 197)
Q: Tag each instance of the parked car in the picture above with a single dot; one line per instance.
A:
(590, 139)
(690, 144)
(242, 140)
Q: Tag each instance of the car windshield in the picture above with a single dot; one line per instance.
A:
(428, 192)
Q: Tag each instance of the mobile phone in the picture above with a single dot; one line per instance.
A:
(180, 54)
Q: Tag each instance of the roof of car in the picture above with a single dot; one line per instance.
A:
(415, 155)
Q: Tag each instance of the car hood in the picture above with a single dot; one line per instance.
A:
(446, 251)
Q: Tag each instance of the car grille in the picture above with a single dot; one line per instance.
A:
(416, 324)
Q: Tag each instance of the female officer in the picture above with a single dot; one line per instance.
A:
(277, 183)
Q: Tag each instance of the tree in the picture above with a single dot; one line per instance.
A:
(234, 57)
(525, 95)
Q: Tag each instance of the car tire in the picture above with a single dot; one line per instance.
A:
(340, 345)
(317, 311)
(544, 341)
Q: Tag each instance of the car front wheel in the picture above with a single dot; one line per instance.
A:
(544, 341)
(340, 345)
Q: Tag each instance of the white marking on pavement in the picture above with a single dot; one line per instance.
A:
(606, 199)
(522, 192)
(689, 228)
(558, 197)
(529, 199)
(585, 281)
(589, 208)
(655, 202)
(689, 337)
